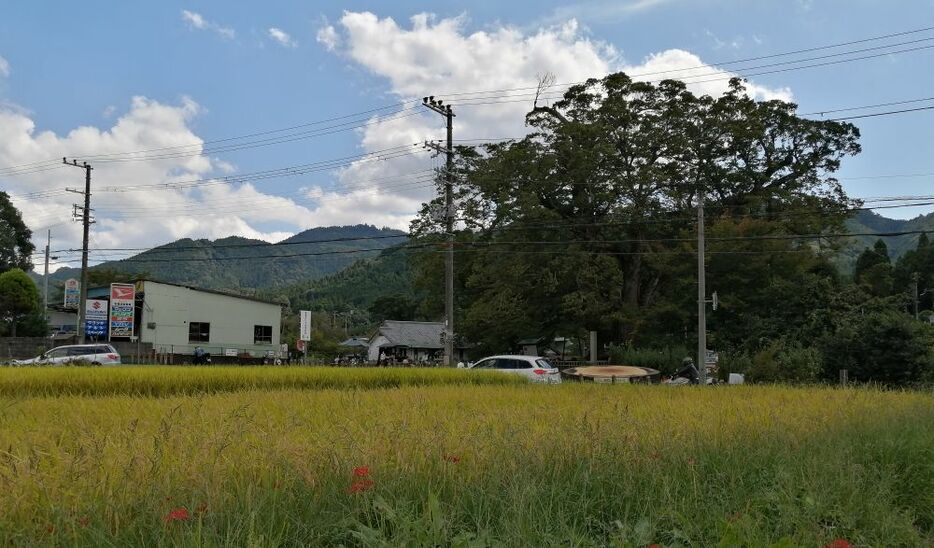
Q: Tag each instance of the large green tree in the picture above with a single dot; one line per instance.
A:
(16, 245)
(19, 298)
(588, 222)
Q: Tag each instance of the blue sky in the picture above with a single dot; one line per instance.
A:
(212, 69)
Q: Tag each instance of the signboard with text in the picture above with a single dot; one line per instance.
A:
(304, 331)
(122, 309)
(95, 317)
(72, 293)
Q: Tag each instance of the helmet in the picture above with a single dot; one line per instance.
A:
(687, 361)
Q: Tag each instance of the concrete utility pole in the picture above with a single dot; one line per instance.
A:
(914, 289)
(86, 222)
(45, 278)
(701, 293)
(448, 113)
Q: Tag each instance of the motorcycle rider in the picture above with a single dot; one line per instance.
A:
(688, 371)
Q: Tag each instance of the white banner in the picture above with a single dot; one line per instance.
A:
(304, 330)
(72, 293)
(122, 309)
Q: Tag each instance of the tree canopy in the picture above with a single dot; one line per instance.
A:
(19, 297)
(16, 245)
(588, 222)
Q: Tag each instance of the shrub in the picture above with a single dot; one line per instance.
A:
(785, 361)
(667, 360)
(882, 346)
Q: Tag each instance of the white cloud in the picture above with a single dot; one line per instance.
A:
(434, 56)
(137, 219)
(681, 64)
(197, 21)
(4, 67)
(327, 36)
(282, 37)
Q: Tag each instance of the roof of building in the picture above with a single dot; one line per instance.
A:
(216, 292)
(356, 341)
(412, 334)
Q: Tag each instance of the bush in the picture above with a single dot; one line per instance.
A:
(785, 361)
(667, 360)
(883, 346)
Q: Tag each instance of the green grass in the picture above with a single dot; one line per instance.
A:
(469, 465)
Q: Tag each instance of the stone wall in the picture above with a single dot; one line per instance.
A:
(18, 348)
(24, 347)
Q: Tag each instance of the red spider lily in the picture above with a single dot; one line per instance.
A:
(177, 514)
(360, 486)
(361, 471)
(838, 543)
(452, 458)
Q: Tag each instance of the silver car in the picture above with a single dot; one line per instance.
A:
(534, 368)
(94, 354)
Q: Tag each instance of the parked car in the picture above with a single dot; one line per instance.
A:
(94, 354)
(534, 368)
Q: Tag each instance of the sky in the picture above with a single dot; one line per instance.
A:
(206, 119)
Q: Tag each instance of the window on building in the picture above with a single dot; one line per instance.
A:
(199, 332)
(262, 334)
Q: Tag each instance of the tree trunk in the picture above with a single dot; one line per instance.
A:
(632, 279)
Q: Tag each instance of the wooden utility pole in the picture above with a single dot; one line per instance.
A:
(448, 113)
(86, 222)
(701, 293)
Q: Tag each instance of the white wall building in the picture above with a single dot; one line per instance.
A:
(175, 319)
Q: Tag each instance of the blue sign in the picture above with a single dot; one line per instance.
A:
(95, 327)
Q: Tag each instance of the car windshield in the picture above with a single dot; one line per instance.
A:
(544, 364)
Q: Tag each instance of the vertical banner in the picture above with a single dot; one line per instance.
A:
(122, 312)
(72, 293)
(304, 331)
(95, 317)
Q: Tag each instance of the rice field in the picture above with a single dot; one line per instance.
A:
(434, 458)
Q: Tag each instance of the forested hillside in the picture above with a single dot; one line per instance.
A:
(241, 264)
(354, 288)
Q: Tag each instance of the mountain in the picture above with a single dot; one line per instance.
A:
(354, 288)
(242, 264)
(871, 222)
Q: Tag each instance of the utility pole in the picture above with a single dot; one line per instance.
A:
(914, 290)
(701, 293)
(86, 222)
(448, 113)
(45, 278)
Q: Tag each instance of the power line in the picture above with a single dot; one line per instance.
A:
(888, 113)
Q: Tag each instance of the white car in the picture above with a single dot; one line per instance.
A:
(534, 368)
(94, 354)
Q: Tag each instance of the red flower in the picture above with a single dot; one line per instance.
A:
(178, 514)
(84, 521)
(452, 458)
(361, 471)
(50, 529)
(838, 543)
(360, 486)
